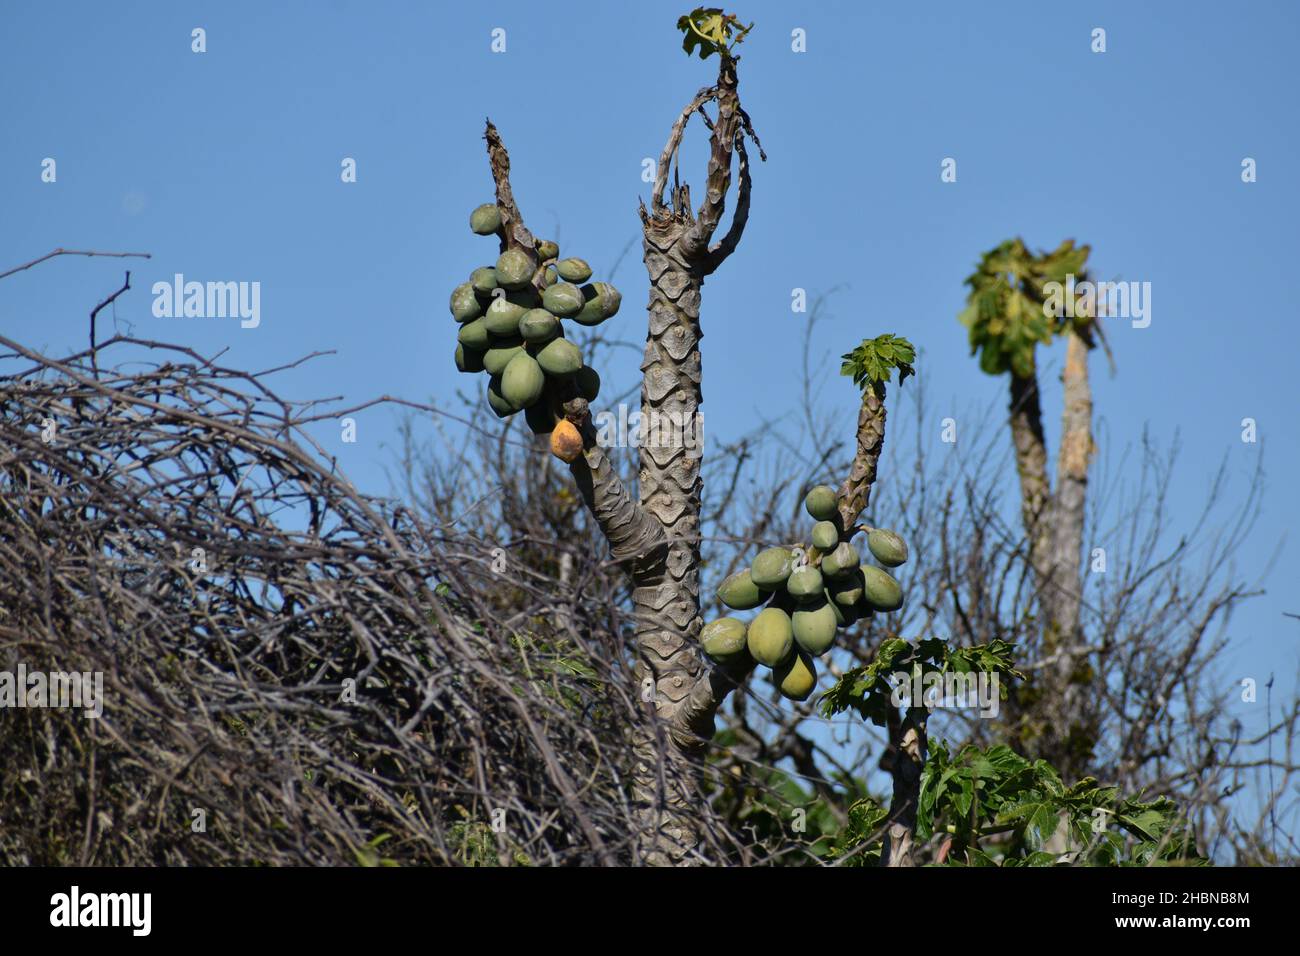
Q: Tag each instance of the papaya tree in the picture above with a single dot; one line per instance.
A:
(1015, 305)
(511, 328)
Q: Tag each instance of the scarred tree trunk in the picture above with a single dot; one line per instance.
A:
(677, 257)
(668, 606)
(856, 491)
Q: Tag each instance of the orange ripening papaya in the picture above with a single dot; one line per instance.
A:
(566, 442)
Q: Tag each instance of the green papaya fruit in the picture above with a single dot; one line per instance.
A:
(496, 400)
(468, 360)
(545, 276)
(538, 326)
(843, 560)
(515, 269)
(846, 590)
(880, 590)
(563, 299)
(814, 626)
(771, 568)
(588, 383)
(601, 302)
(887, 547)
(724, 639)
(502, 316)
(465, 305)
(559, 357)
(573, 270)
(486, 219)
(522, 381)
(739, 592)
(796, 677)
(546, 249)
(825, 536)
(804, 584)
(770, 636)
(498, 357)
(484, 280)
(474, 335)
(821, 503)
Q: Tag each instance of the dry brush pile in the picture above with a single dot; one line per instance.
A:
(293, 672)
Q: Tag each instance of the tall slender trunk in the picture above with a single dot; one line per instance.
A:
(668, 606)
(1072, 728)
(677, 256)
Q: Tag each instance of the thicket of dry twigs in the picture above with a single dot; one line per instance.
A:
(294, 672)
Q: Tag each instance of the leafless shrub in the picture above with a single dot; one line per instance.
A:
(294, 672)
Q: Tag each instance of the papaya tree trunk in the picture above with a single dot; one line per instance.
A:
(855, 494)
(1072, 487)
(1031, 463)
(1071, 726)
(906, 753)
(904, 760)
(677, 254)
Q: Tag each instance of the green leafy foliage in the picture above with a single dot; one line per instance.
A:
(867, 690)
(1007, 313)
(708, 31)
(1014, 806)
(873, 361)
(776, 812)
(860, 841)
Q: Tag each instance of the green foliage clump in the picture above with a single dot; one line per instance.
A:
(707, 30)
(1007, 311)
(1016, 806)
(867, 690)
(872, 362)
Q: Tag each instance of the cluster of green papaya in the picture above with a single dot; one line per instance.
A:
(807, 593)
(511, 326)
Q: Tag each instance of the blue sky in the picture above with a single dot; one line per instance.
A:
(225, 166)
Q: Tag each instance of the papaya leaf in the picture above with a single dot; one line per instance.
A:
(872, 362)
(707, 30)
(859, 842)
(1036, 817)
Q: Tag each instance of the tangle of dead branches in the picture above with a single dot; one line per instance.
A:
(293, 672)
